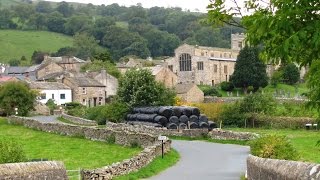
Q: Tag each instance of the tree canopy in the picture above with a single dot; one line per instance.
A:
(139, 88)
(16, 95)
(249, 70)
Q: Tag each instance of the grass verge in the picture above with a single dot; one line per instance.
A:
(155, 167)
(220, 141)
(74, 152)
(304, 141)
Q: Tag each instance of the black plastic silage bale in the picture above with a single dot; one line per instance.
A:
(193, 125)
(172, 126)
(128, 118)
(186, 111)
(165, 111)
(194, 118)
(136, 110)
(183, 126)
(212, 125)
(183, 119)
(161, 120)
(176, 111)
(203, 118)
(174, 119)
(195, 111)
(203, 125)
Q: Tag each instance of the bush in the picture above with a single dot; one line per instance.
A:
(257, 103)
(232, 116)
(211, 110)
(226, 86)
(274, 147)
(210, 91)
(114, 112)
(11, 151)
(267, 121)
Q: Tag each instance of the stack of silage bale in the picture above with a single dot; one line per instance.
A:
(172, 117)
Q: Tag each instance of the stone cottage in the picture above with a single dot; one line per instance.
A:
(72, 64)
(86, 91)
(110, 82)
(189, 92)
(164, 75)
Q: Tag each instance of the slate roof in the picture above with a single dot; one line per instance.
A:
(16, 69)
(183, 88)
(52, 75)
(85, 82)
(66, 60)
(48, 85)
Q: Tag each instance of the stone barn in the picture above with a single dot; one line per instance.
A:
(189, 93)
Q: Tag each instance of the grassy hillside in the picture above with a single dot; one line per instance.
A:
(14, 44)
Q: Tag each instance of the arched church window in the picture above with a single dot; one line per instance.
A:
(185, 62)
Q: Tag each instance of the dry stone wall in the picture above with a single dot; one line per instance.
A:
(125, 138)
(260, 168)
(78, 120)
(214, 134)
(128, 165)
(49, 170)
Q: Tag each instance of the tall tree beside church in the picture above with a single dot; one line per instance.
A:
(249, 70)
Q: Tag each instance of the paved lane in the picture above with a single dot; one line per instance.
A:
(46, 119)
(206, 161)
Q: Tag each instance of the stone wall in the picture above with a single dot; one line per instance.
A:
(231, 135)
(214, 134)
(123, 137)
(78, 120)
(49, 170)
(128, 165)
(260, 168)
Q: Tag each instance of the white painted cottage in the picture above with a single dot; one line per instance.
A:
(58, 92)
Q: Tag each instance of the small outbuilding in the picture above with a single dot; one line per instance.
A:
(189, 92)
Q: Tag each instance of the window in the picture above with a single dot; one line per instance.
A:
(100, 101)
(200, 65)
(230, 56)
(185, 62)
(52, 96)
(202, 53)
(62, 96)
(240, 45)
(43, 95)
(215, 68)
(220, 55)
(212, 82)
(84, 90)
(211, 54)
(225, 55)
(84, 102)
(225, 69)
(170, 67)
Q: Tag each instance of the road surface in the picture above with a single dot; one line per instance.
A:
(206, 161)
(46, 119)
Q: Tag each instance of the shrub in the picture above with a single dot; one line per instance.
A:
(210, 91)
(211, 110)
(114, 112)
(273, 146)
(226, 86)
(257, 103)
(11, 151)
(232, 116)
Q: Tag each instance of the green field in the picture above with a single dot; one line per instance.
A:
(304, 141)
(14, 43)
(74, 152)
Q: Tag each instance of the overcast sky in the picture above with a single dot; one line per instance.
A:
(192, 5)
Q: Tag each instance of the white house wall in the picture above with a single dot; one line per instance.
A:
(57, 93)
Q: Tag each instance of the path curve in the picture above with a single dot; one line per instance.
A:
(206, 161)
(46, 119)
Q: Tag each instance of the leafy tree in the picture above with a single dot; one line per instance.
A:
(276, 78)
(43, 7)
(98, 65)
(76, 24)
(51, 105)
(16, 95)
(86, 45)
(139, 88)
(249, 70)
(291, 74)
(65, 9)
(6, 19)
(39, 21)
(37, 57)
(14, 62)
(55, 22)
(65, 51)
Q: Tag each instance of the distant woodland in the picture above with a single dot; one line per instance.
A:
(120, 30)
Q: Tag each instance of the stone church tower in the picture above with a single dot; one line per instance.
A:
(237, 41)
